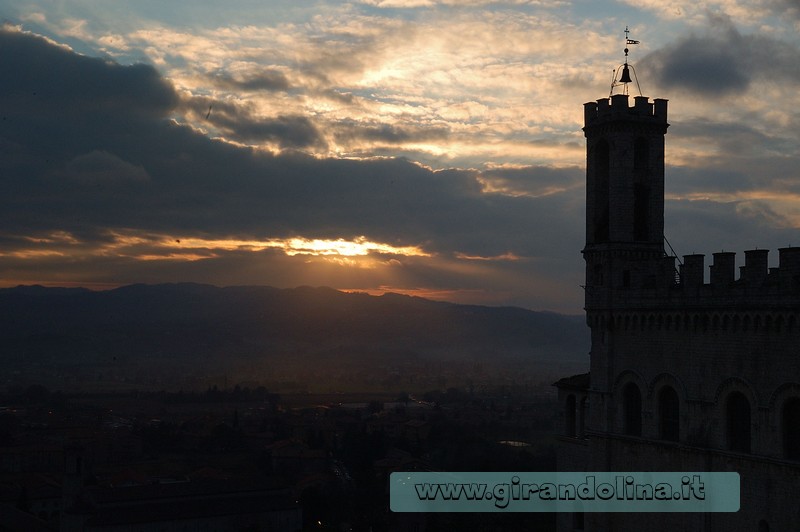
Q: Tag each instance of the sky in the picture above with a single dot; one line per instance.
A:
(425, 147)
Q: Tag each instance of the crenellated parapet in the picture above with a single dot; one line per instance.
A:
(755, 279)
(657, 284)
(616, 108)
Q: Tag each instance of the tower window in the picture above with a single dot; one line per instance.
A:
(641, 189)
(668, 414)
(626, 278)
(632, 409)
(737, 415)
(602, 174)
(790, 421)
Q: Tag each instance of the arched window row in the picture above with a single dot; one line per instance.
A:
(774, 323)
(737, 410)
(667, 409)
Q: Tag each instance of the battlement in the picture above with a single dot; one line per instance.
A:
(754, 274)
(620, 278)
(618, 107)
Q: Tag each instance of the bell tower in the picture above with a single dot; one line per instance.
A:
(624, 250)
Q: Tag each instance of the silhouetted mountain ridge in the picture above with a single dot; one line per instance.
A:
(188, 319)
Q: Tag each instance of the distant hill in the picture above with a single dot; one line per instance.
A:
(207, 325)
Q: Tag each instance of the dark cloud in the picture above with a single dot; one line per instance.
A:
(723, 61)
(49, 76)
(705, 227)
(533, 180)
(334, 95)
(736, 158)
(728, 176)
(268, 80)
(710, 180)
(730, 137)
(285, 131)
(99, 167)
(238, 122)
(786, 8)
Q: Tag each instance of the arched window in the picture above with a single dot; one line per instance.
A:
(790, 421)
(737, 415)
(569, 417)
(632, 409)
(602, 176)
(668, 414)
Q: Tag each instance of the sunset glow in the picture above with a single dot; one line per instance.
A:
(184, 248)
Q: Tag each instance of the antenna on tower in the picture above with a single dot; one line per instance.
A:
(622, 74)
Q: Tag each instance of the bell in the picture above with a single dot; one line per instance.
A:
(626, 75)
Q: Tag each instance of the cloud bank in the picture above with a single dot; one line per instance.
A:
(102, 179)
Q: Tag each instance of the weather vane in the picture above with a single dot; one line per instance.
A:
(625, 69)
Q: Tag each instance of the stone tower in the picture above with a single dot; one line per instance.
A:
(624, 194)
(684, 375)
(624, 250)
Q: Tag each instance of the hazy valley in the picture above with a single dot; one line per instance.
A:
(192, 337)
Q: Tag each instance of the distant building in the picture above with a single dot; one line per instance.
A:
(684, 375)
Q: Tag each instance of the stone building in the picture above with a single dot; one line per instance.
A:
(685, 375)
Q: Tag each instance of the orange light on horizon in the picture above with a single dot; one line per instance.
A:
(359, 246)
(151, 247)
